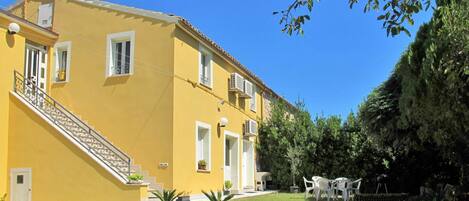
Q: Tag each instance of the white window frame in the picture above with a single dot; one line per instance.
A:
(121, 36)
(61, 46)
(45, 13)
(253, 102)
(199, 124)
(208, 53)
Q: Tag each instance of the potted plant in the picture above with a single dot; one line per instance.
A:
(135, 179)
(293, 155)
(61, 75)
(202, 165)
(228, 185)
(184, 196)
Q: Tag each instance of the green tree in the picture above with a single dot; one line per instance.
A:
(395, 14)
(421, 113)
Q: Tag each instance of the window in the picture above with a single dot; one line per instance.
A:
(120, 53)
(44, 18)
(253, 104)
(205, 67)
(62, 61)
(203, 150)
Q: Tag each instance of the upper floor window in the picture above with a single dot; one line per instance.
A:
(120, 53)
(253, 104)
(44, 18)
(205, 67)
(63, 52)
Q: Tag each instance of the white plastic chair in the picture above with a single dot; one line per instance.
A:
(309, 185)
(324, 185)
(341, 184)
(354, 187)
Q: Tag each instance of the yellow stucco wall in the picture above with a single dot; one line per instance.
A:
(60, 170)
(194, 102)
(134, 112)
(150, 115)
(10, 47)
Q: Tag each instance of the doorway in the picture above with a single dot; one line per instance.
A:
(20, 181)
(248, 165)
(35, 65)
(231, 159)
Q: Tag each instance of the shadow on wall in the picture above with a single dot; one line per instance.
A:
(67, 145)
(10, 39)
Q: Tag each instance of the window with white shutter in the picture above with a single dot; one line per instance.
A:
(44, 18)
(253, 105)
(205, 67)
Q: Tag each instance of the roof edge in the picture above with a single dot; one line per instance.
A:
(27, 23)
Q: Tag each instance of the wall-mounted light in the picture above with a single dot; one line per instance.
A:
(223, 122)
(13, 28)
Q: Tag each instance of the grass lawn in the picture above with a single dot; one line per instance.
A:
(278, 197)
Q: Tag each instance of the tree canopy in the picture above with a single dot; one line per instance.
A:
(395, 14)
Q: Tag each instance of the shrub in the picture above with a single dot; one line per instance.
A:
(135, 177)
(228, 184)
(167, 195)
(217, 197)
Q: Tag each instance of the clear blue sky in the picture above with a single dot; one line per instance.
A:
(343, 55)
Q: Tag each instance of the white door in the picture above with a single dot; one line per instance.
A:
(35, 68)
(20, 185)
(227, 168)
(248, 164)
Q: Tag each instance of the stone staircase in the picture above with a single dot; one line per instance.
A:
(88, 139)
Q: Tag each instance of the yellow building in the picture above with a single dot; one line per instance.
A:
(178, 109)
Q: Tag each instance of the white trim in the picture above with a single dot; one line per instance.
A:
(61, 131)
(251, 168)
(237, 136)
(199, 124)
(204, 50)
(57, 46)
(19, 170)
(130, 10)
(128, 35)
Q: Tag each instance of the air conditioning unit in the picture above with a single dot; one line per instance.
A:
(247, 90)
(250, 128)
(236, 83)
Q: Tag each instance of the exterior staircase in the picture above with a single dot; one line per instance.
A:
(80, 133)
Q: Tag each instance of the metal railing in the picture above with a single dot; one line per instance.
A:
(73, 126)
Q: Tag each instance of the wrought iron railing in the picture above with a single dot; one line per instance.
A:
(73, 126)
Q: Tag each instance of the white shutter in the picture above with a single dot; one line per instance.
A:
(247, 89)
(44, 18)
(253, 99)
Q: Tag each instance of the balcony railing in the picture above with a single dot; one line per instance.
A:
(84, 135)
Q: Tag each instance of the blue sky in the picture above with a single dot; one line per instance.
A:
(343, 55)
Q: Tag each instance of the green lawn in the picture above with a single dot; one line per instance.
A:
(277, 197)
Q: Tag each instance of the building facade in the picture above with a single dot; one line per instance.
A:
(108, 91)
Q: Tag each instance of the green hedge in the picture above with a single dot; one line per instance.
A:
(382, 197)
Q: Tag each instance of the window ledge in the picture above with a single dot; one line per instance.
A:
(119, 75)
(60, 82)
(203, 171)
(205, 85)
